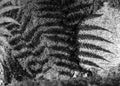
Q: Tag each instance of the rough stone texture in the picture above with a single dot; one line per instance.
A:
(111, 21)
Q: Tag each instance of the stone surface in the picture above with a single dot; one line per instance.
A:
(111, 21)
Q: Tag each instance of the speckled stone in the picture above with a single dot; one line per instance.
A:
(111, 21)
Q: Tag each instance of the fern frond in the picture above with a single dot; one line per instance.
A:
(24, 54)
(68, 65)
(92, 55)
(5, 56)
(8, 19)
(93, 47)
(59, 39)
(19, 46)
(54, 40)
(56, 31)
(92, 27)
(94, 16)
(8, 8)
(65, 57)
(9, 62)
(90, 63)
(92, 37)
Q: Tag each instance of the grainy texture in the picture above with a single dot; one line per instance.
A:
(54, 47)
(111, 21)
(54, 44)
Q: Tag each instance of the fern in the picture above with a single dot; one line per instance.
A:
(54, 38)
(6, 57)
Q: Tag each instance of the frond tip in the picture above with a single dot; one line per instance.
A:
(94, 16)
(92, 55)
(92, 27)
(87, 62)
(92, 37)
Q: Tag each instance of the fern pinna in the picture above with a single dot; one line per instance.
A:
(49, 37)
